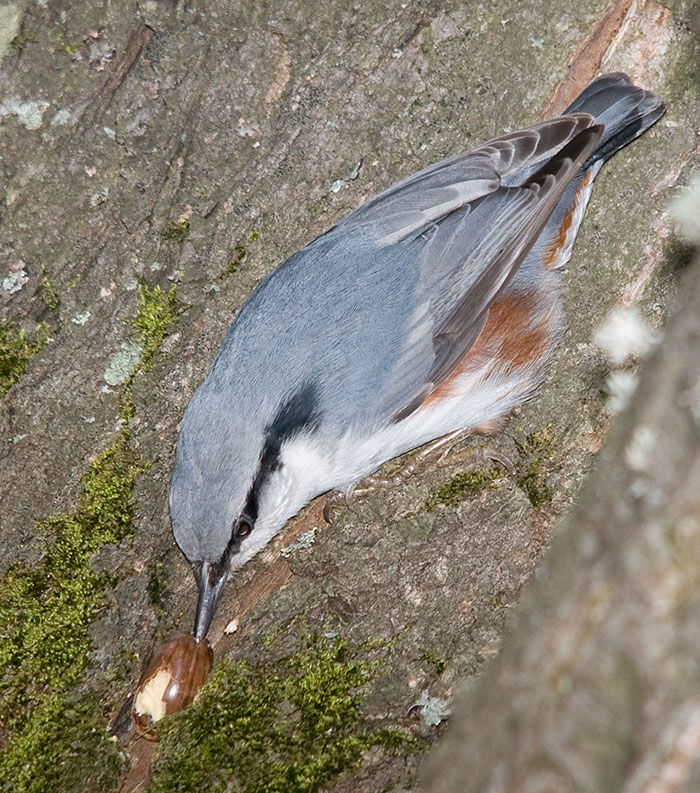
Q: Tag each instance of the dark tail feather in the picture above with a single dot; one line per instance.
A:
(625, 111)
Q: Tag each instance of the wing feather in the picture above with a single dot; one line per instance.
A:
(424, 197)
(493, 234)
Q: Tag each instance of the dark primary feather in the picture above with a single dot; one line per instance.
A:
(625, 110)
(434, 192)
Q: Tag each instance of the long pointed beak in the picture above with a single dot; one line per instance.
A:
(212, 578)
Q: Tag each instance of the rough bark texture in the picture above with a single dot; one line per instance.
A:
(195, 144)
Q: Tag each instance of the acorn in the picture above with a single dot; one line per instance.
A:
(171, 681)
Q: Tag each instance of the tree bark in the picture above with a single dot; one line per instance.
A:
(198, 144)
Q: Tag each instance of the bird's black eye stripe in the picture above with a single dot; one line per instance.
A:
(298, 413)
(250, 511)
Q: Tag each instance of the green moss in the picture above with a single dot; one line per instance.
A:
(48, 292)
(16, 351)
(177, 231)
(51, 739)
(45, 612)
(233, 264)
(241, 253)
(157, 588)
(127, 664)
(440, 664)
(69, 48)
(286, 726)
(461, 485)
(64, 747)
(19, 43)
(156, 313)
(534, 449)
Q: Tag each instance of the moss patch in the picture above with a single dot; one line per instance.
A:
(157, 589)
(19, 43)
(432, 658)
(534, 449)
(45, 613)
(287, 726)
(51, 738)
(460, 486)
(156, 313)
(49, 294)
(177, 231)
(241, 253)
(16, 351)
(63, 747)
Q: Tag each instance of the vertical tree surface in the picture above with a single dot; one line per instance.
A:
(157, 160)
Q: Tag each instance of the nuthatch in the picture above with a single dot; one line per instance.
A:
(434, 307)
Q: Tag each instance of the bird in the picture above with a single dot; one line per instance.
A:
(432, 309)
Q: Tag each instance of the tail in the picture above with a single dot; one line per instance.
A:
(625, 111)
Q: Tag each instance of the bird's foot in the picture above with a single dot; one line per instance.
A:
(439, 452)
(336, 501)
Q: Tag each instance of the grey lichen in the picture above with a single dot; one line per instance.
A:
(123, 363)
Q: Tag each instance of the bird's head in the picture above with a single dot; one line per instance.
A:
(230, 491)
(212, 506)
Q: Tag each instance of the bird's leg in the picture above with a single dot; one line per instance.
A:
(435, 453)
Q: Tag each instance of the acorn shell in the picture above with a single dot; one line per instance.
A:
(171, 681)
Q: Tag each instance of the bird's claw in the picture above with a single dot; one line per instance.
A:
(336, 501)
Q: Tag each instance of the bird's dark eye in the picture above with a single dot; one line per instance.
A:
(244, 529)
